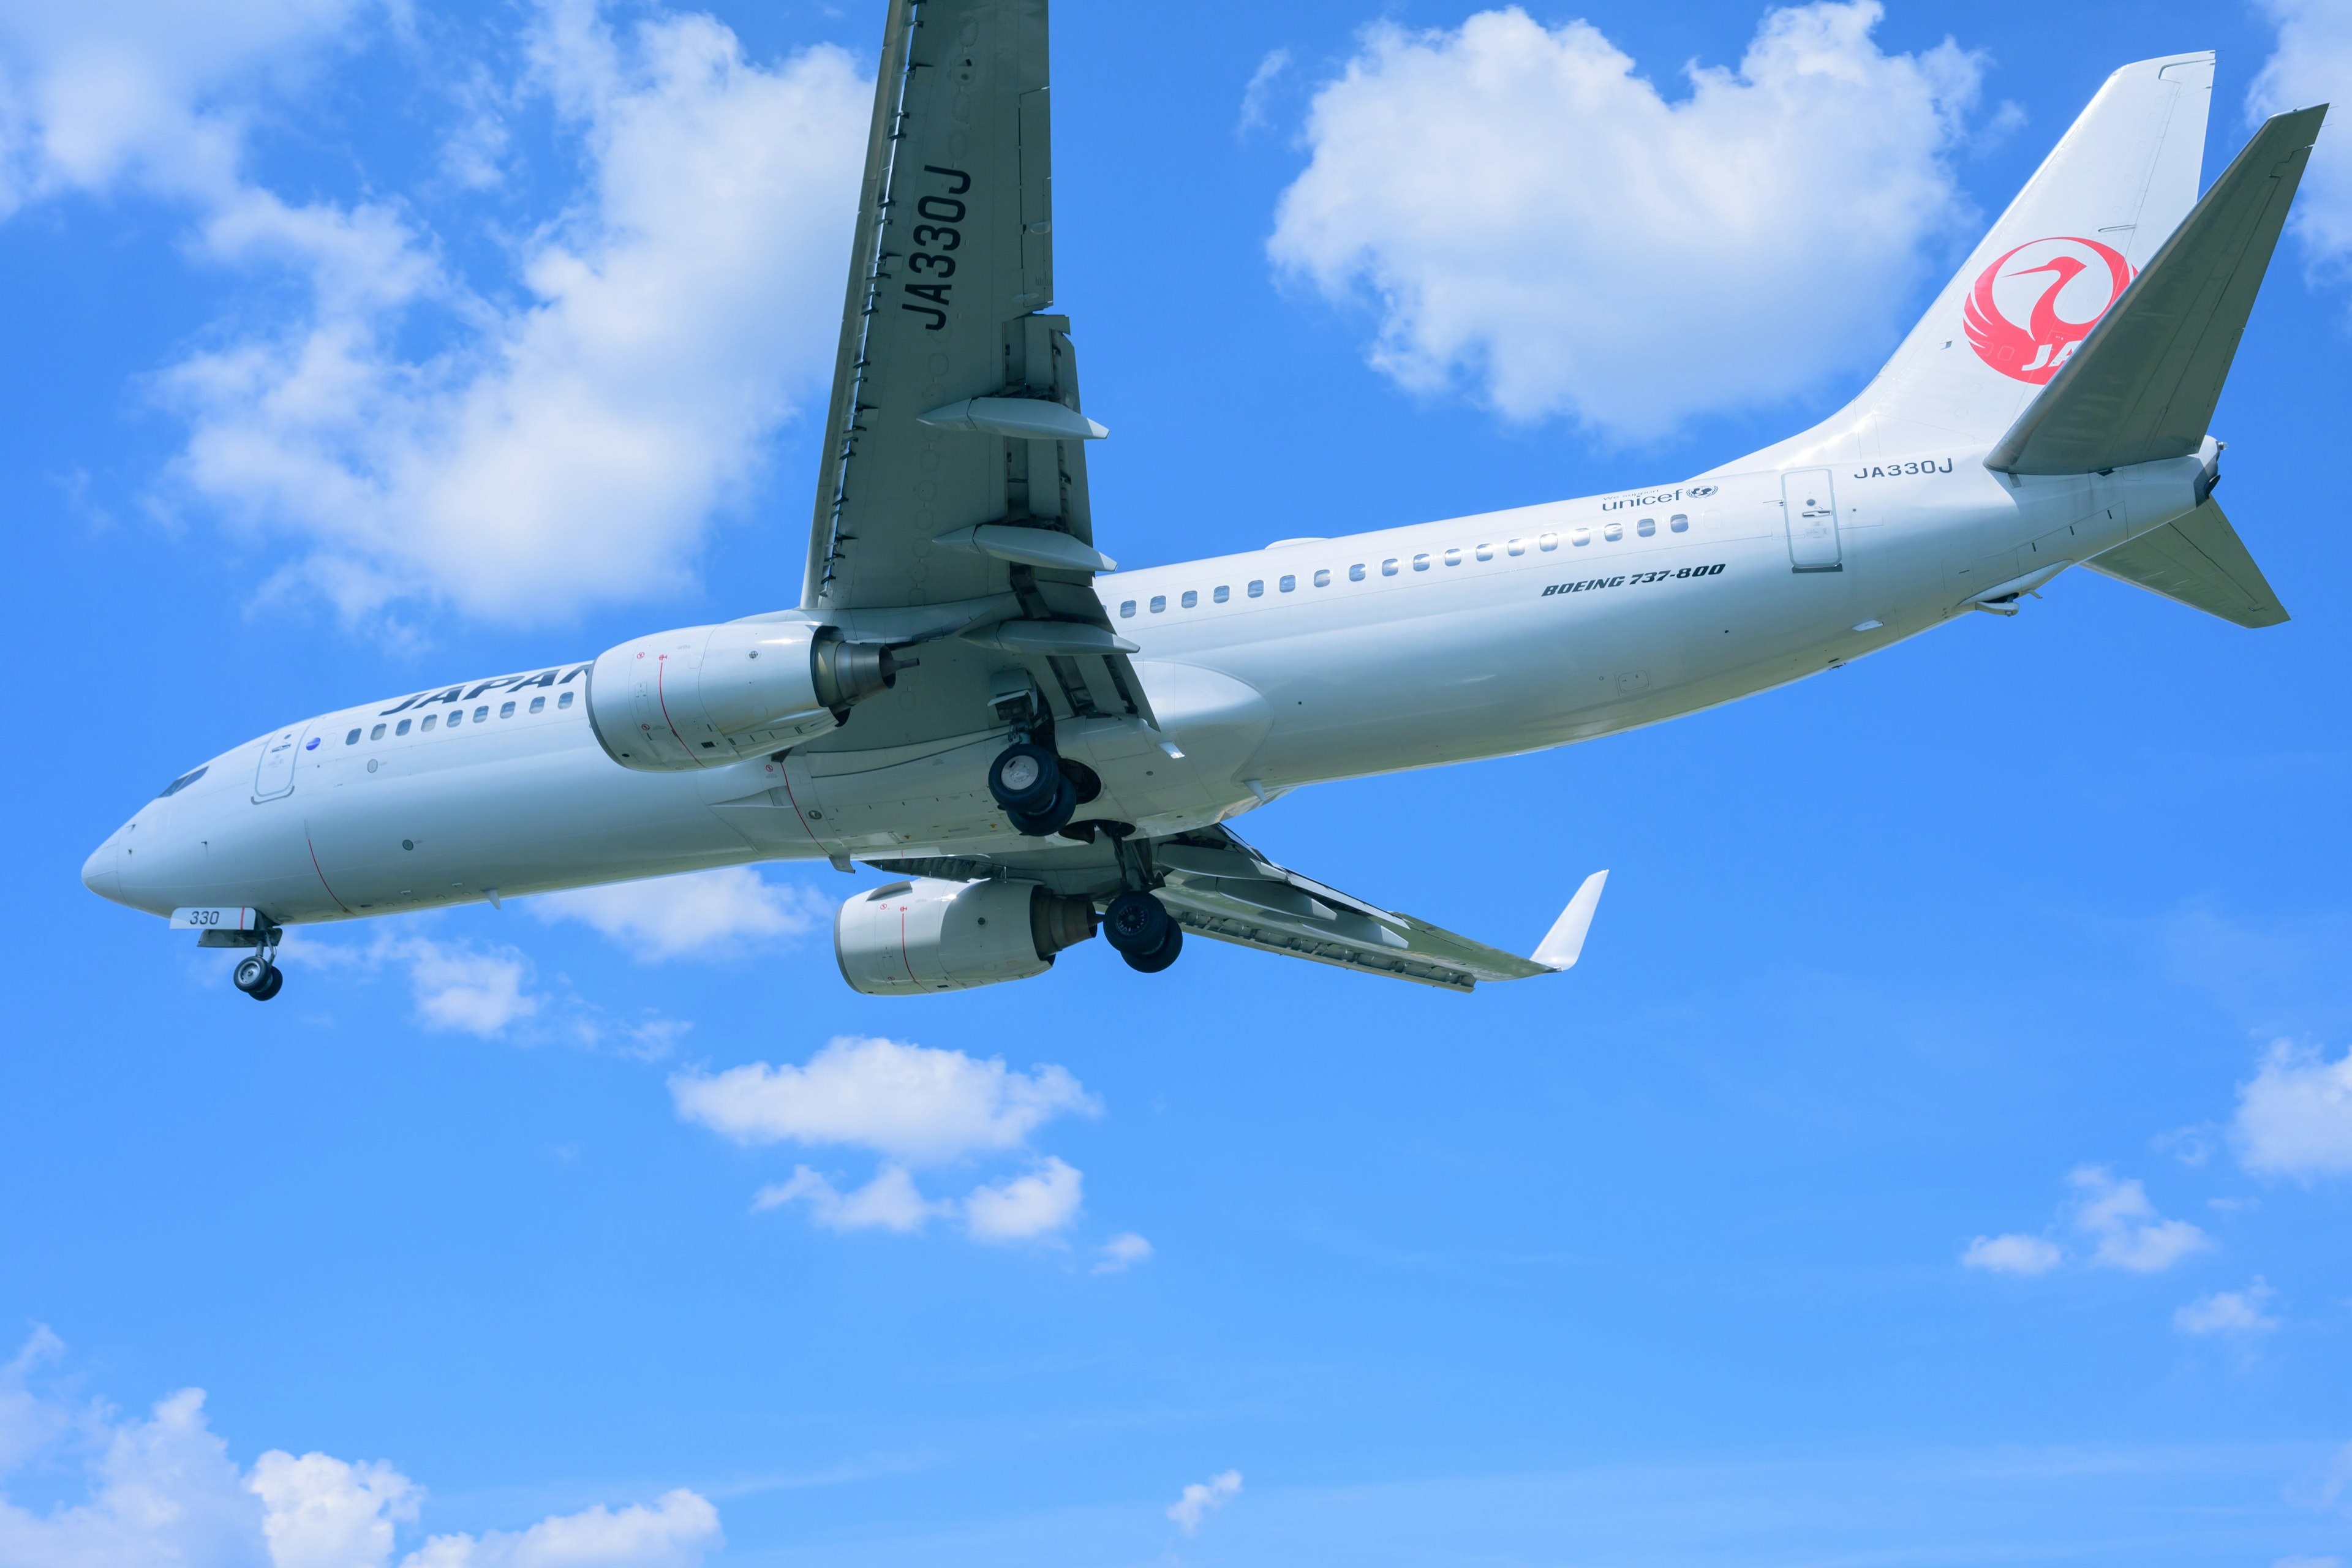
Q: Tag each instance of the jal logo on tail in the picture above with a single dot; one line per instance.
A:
(2031, 309)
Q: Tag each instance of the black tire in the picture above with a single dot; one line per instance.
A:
(1161, 957)
(1137, 923)
(270, 987)
(252, 973)
(1025, 778)
(1053, 818)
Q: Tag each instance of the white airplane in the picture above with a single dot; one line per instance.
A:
(971, 697)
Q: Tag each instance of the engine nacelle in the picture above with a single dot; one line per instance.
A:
(932, 935)
(707, 696)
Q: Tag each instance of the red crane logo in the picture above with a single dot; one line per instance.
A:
(2059, 288)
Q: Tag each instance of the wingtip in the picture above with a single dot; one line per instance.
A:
(1564, 943)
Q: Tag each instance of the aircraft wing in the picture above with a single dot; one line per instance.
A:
(954, 472)
(1219, 886)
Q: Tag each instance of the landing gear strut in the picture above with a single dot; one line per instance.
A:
(1143, 931)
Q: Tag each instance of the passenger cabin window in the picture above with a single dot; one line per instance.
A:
(457, 718)
(1192, 599)
(1257, 588)
(1454, 558)
(1288, 584)
(1517, 547)
(1356, 573)
(376, 733)
(481, 713)
(1614, 533)
(352, 739)
(1126, 607)
(1485, 552)
(403, 728)
(1224, 591)
(506, 710)
(1389, 567)
(1323, 578)
(1646, 527)
(1580, 537)
(1421, 562)
(564, 701)
(1679, 523)
(430, 719)
(1158, 603)
(1547, 541)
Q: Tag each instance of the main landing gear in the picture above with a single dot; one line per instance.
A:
(258, 977)
(1039, 790)
(1143, 931)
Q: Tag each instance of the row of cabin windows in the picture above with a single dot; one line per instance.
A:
(1678, 522)
(482, 716)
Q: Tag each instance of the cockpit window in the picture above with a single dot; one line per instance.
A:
(183, 781)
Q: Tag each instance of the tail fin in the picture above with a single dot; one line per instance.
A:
(2097, 210)
(2144, 386)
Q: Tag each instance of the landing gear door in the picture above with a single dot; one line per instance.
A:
(1811, 506)
(274, 775)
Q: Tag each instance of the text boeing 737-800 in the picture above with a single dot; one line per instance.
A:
(1044, 746)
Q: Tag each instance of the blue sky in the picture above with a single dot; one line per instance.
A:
(1941, 1155)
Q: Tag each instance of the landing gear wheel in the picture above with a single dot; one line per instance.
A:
(1053, 818)
(258, 978)
(1025, 778)
(1160, 957)
(1138, 925)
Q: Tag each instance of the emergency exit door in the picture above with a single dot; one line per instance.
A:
(1810, 503)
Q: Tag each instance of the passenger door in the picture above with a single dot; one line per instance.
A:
(1810, 503)
(275, 774)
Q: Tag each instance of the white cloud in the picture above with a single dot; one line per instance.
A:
(1260, 90)
(888, 1202)
(569, 448)
(460, 986)
(161, 1488)
(906, 1102)
(2228, 1312)
(1123, 1252)
(2313, 65)
(321, 1513)
(152, 93)
(2127, 1230)
(2295, 1117)
(1022, 1208)
(2012, 1255)
(679, 1531)
(707, 914)
(556, 433)
(1202, 1499)
(1536, 220)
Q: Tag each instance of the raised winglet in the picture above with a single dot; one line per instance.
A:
(1561, 945)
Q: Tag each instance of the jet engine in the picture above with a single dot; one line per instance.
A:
(707, 696)
(932, 935)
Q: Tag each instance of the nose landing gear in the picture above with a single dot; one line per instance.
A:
(257, 977)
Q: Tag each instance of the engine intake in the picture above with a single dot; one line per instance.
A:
(932, 935)
(707, 696)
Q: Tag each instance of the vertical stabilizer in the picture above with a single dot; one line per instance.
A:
(2097, 210)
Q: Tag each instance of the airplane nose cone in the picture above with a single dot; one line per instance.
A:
(101, 873)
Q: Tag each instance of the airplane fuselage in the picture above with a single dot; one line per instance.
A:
(1303, 663)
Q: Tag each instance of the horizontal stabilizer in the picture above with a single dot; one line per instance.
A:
(2143, 386)
(2201, 563)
